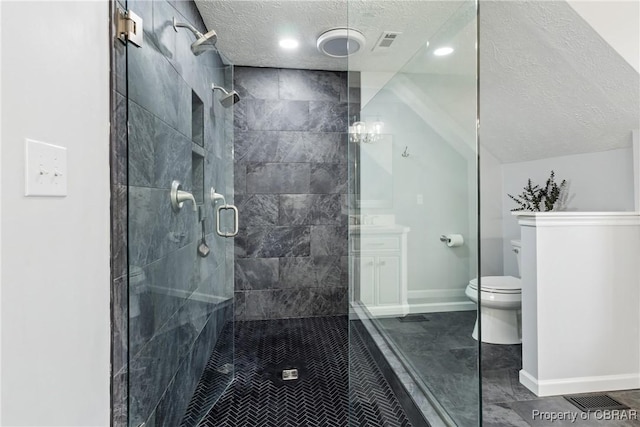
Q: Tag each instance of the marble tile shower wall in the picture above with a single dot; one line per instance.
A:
(290, 172)
(176, 303)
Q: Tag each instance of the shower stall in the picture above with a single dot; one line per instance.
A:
(280, 257)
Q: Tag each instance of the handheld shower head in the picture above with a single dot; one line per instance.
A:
(203, 43)
(229, 98)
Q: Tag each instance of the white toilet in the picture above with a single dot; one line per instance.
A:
(500, 310)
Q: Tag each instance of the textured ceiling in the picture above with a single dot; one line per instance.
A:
(248, 31)
(550, 85)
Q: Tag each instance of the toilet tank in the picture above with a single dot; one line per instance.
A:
(515, 244)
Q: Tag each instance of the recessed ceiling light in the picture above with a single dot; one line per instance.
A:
(288, 43)
(443, 51)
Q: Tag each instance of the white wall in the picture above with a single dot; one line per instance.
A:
(55, 251)
(491, 251)
(617, 22)
(441, 168)
(600, 181)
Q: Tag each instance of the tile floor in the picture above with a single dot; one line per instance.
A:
(335, 388)
(442, 350)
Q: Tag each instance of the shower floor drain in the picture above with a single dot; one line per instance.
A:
(596, 402)
(413, 318)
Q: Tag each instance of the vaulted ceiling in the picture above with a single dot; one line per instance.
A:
(550, 84)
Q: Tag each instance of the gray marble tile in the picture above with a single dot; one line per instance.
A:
(156, 292)
(297, 209)
(629, 397)
(155, 85)
(307, 85)
(326, 178)
(163, 34)
(352, 95)
(150, 373)
(280, 115)
(239, 305)
(174, 402)
(327, 210)
(497, 387)
(501, 416)
(305, 302)
(256, 83)
(274, 178)
(256, 273)
(273, 242)
(141, 146)
(328, 116)
(240, 117)
(312, 147)
(291, 303)
(330, 301)
(172, 157)
(328, 240)
(311, 272)
(153, 369)
(154, 229)
(297, 272)
(446, 361)
(119, 261)
(119, 331)
(257, 209)
(119, 140)
(455, 390)
(183, 108)
(501, 356)
(119, 399)
(310, 209)
(256, 146)
(258, 305)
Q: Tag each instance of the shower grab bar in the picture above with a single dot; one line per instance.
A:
(236, 224)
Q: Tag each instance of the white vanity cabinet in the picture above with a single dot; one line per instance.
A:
(378, 256)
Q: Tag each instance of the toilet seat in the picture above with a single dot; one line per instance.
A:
(498, 284)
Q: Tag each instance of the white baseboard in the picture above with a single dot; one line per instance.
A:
(439, 300)
(442, 307)
(579, 384)
(456, 294)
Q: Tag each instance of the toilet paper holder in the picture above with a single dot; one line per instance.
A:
(452, 240)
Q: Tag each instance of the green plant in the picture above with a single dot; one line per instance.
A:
(534, 197)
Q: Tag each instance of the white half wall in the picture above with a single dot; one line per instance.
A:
(636, 168)
(600, 181)
(55, 251)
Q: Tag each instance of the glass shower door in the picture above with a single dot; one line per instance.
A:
(413, 234)
(180, 143)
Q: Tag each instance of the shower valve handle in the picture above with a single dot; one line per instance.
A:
(178, 197)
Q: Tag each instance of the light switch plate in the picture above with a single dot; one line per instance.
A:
(45, 169)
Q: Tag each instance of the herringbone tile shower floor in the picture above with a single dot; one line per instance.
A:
(318, 348)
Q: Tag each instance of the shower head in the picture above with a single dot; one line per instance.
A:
(203, 43)
(229, 98)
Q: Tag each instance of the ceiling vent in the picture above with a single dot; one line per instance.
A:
(386, 40)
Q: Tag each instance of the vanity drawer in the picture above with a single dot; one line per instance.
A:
(375, 243)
